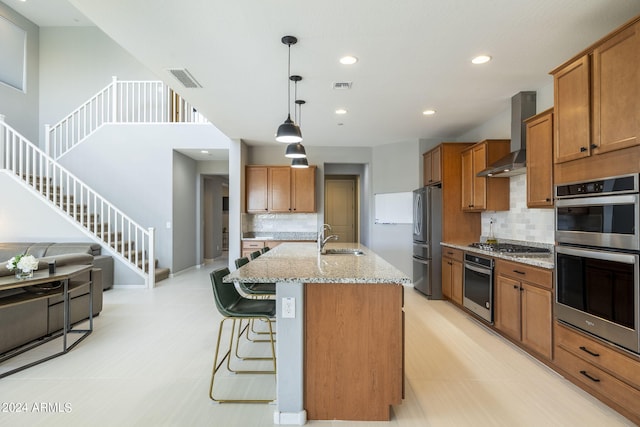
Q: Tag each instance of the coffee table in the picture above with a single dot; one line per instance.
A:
(44, 285)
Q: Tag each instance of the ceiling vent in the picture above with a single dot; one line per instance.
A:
(184, 77)
(342, 85)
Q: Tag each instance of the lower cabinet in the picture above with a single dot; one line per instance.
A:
(523, 305)
(452, 271)
(611, 375)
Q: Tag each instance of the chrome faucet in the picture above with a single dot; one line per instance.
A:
(323, 240)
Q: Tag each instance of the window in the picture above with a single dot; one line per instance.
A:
(13, 54)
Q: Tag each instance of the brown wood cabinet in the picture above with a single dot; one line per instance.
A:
(280, 189)
(432, 161)
(354, 351)
(540, 160)
(452, 274)
(597, 109)
(523, 305)
(457, 225)
(482, 193)
(610, 374)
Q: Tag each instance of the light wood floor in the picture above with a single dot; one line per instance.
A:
(148, 363)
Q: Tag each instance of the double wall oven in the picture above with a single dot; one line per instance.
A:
(597, 258)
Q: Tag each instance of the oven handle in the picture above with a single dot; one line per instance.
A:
(603, 255)
(477, 269)
(602, 200)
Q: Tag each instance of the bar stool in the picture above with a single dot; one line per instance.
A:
(265, 249)
(254, 255)
(233, 306)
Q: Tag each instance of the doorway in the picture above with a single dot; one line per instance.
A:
(215, 218)
(341, 206)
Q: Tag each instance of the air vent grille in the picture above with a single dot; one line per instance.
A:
(184, 77)
(342, 85)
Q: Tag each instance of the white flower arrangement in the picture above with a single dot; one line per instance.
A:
(23, 263)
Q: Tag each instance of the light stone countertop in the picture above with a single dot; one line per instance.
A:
(301, 262)
(546, 261)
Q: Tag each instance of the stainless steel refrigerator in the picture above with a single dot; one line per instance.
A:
(427, 234)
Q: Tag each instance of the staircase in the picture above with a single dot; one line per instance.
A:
(119, 102)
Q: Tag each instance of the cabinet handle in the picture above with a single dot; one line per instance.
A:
(586, 350)
(583, 149)
(592, 378)
(593, 146)
(547, 199)
(519, 272)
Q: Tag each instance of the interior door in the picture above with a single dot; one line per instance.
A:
(340, 207)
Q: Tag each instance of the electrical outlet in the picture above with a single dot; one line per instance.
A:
(288, 308)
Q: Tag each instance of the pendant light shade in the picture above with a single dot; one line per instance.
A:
(295, 151)
(288, 131)
(300, 163)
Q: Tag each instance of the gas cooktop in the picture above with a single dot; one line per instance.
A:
(511, 248)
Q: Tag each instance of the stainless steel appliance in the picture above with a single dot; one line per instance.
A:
(427, 234)
(597, 258)
(512, 249)
(478, 285)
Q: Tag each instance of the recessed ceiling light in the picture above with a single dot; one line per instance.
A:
(429, 112)
(481, 59)
(204, 151)
(348, 60)
(341, 111)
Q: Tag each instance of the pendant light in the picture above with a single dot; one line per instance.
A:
(300, 163)
(288, 131)
(296, 150)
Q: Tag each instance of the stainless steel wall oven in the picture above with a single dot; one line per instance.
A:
(478, 285)
(598, 258)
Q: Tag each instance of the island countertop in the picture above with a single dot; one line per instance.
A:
(301, 263)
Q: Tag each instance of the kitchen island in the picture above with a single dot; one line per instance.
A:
(340, 349)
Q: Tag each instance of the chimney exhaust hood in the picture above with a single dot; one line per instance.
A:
(523, 106)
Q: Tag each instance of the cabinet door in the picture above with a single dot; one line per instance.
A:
(432, 166)
(616, 92)
(536, 319)
(572, 99)
(508, 306)
(446, 277)
(256, 189)
(479, 183)
(467, 180)
(303, 190)
(540, 161)
(280, 189)
(456, 281)
(427, 168)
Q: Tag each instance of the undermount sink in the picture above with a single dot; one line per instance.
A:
(341, 251)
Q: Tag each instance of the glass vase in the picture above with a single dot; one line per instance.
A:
(24, 274)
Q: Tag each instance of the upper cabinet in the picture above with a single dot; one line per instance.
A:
(432, 161)
(280, 189)
(540, 160)
(482, 193)
(597, 109)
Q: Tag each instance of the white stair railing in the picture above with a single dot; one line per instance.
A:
(120, 102)
(130, 241)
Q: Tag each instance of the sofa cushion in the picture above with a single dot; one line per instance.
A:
(72, 248)
(9, 250)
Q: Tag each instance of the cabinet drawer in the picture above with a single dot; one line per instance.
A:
(599, 381)
(455, 254)
(540, 276)
(598, 354)
(252, 244)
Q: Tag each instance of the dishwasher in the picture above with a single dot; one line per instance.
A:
(478, 286)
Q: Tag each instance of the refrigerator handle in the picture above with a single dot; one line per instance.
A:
(417, 217)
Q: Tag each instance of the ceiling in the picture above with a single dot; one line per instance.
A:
(412, 55)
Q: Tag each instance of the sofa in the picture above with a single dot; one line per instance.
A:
(34, 319)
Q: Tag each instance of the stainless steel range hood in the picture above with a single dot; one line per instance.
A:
(523, 106)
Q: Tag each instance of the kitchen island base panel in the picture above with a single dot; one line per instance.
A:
(353, 351)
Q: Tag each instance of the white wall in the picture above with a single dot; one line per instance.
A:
(75, 64)
(396, 168)
(21, 108)
(133, 167)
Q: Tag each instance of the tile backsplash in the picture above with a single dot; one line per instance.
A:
(519, 222)
(280, 222)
